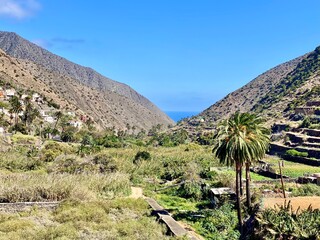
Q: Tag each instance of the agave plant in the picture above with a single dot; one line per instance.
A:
(284, 223)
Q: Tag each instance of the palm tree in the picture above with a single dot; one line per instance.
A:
(238, 141)
(58, 115)
(259, 137)
(16, 107)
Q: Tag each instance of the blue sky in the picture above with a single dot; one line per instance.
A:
(183, 55)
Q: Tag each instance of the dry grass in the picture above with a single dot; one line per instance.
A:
(22, 187)
(98, 220)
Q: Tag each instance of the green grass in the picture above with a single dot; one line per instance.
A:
(257, 177)
(174, 203)
(292, 169)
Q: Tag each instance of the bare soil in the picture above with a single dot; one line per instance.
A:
(296, 202)
(136, 192)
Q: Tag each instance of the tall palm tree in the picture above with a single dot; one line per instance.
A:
(16, 107)
(58, 115)
(259, 137)
(240, 140)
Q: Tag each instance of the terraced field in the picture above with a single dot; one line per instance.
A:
(291, 169)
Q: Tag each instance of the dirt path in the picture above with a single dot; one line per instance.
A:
(191, 231)
(136, 192)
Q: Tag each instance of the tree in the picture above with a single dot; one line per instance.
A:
(16, 107)
(240, 140)
(30, 113)
(58, 115)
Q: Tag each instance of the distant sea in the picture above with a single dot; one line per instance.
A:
(176, 116)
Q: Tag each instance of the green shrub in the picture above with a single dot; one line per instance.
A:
(283, 223)
(307, 190)
(19, 127)
(295, 153)
(54, 149)
(73, 165)
(19, 138)
(105, 162)
(190, 190)
(305, 123)
(15, 161)
(142, 155)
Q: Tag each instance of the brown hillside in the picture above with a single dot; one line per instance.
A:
(247, 96)
(280, 95)
(108, 110)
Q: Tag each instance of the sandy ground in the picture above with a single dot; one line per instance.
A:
(302, 202)
(136, 192)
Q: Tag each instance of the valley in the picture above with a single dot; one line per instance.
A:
(85, 157)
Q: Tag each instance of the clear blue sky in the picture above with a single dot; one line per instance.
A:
(181, 54)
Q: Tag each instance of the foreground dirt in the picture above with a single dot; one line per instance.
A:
(136, 192)
(296, 202)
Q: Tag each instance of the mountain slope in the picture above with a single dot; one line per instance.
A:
(274, 94)
(112, 103)
(249, 95)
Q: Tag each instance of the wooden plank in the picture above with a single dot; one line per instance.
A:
(175, 228)
(154, 205)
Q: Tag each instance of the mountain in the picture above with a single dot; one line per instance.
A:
(110, 103)
(274, 94)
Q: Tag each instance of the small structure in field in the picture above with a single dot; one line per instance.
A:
(218, 194)
(314, 178)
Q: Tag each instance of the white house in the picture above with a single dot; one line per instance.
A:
(72, 114)
(49, 119)
(76, 124)
(37, 98)
(10, 93)
(24, 96)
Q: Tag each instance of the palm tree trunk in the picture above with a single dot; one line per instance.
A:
(238, 170)
(56, 123)
(248, 194)
(241, 187)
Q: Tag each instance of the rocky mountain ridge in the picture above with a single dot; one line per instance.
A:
(274, 94)
(110, 103)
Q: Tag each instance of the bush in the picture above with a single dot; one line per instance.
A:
(68, 135)
(142, 155)
(305, 123)
(190, 190)
(220, 223)
(53, 149)
(295, 153)
(105, 162)
(19, 127)
(14, 161)
(174, 168)
(23, 139)
(283, 223)
(73, 165)
(110, 141)
(307, 190)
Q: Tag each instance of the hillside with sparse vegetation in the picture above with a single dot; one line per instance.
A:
(274, 94)
(80, 89)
